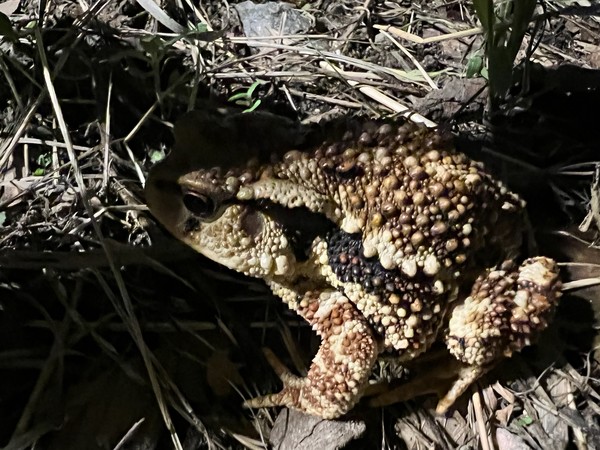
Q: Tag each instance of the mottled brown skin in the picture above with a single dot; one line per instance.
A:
(380, 237)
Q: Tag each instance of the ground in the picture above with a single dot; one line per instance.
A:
(110, 330)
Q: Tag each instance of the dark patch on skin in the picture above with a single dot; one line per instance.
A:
(348, 170)
(346, 258)
(191, 224)
(300, 225)
(251, 221)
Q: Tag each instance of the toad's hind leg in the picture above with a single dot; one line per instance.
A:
(507, 308)
(340, 370)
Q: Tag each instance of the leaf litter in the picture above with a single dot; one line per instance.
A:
(114, 336)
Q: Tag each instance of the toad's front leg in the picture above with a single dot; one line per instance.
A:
(340, 370)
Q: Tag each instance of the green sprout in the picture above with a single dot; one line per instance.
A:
(43, 161)
(524, 420)
(245, 98)
(504, 23)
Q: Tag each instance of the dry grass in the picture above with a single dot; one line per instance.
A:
(113, 335)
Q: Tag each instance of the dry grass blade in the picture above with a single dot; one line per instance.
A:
(379, 96)
(429, 40)
(127, 435)
(98, 300)
(106, 134)
(481, 422)
(413, 59)
(129, 315)
(578, 284)
(9, 145)
(43, 382)
(11, 83)
(327, 55)
(594, 204)
(161, 16)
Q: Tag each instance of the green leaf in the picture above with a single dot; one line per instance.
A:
(156, 156)
(485, 74)
(485, 12)
(500, 66)
(44, 159)
(239, 96)
(6, 28)
(525, 421)
(153, 45)
(254, 106)
(474, 66)
(252, 88)
(39, 172)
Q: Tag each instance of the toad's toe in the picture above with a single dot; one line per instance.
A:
(339, 371)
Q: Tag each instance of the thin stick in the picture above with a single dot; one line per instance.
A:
(419, 40)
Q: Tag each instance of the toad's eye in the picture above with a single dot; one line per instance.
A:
(199, 205)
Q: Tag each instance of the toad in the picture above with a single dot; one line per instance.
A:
(380, 235)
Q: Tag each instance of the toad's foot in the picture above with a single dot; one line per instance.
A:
(507, 308)
(340, 370)
(441, 375)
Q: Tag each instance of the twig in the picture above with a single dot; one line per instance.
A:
(419, 40)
